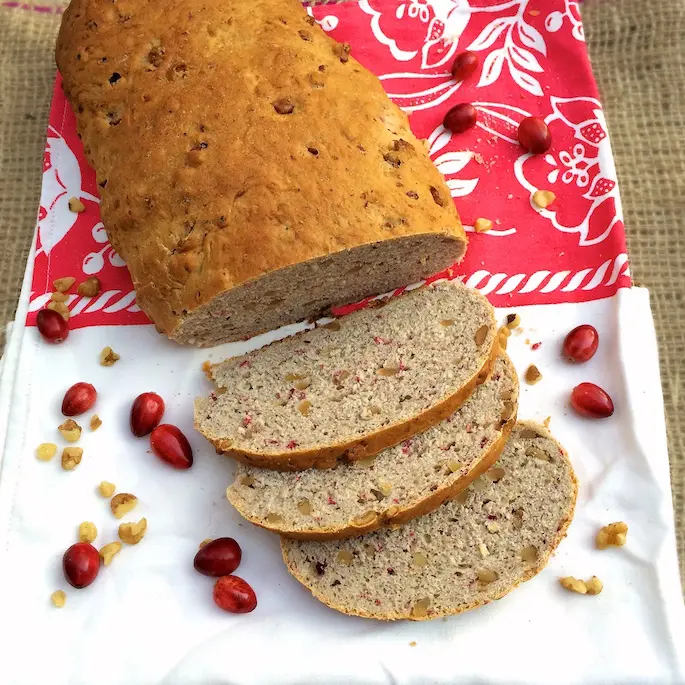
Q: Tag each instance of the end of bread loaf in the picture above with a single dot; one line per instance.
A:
(252, 173)
(470, 551)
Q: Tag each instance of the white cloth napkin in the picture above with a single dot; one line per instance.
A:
(149, 617)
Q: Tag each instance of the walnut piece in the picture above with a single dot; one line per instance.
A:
(529, 554)
(304, 506)
(496, 474)
(419, 559)
(87, 532)
(108, 552)
(71, 457)
(543, 198)
(76, 206)
(583, 587)
(59, 297)
(513, 321)
(95, 422)
(46, 451)
(364, 519)
(205, 542)
(63, 284)
(532, 375)
(61, 309)
(90, 287)
(274, 518)
(70, 430)
(482, 225)
(59, 598)
(486, 575)
(108, 357)
(122, 503)
(106, 488)
(344, 557)
(481, 335)
(303, 407)
(420, 609)
(613, 535)
(132, 533)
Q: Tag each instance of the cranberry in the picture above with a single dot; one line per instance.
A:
(534, 135)
(219, 557)
(233, 594)
(461, 118)
(465, 63)
(78, 399)
(52, 326)
(581, 343)
(146, 413)
(171, 446)
(81, 564)
(591, 401)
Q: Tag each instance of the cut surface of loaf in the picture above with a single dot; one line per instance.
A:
(474, 549)
(396, 485)
(360, 384)
(252, 173)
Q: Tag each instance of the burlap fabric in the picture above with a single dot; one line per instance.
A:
(637, 54)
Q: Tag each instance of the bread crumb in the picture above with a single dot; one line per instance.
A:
(482, 225)
(412, 644)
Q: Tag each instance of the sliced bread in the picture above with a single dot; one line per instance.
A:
(472, 550)
(396, 485)
(354, 387)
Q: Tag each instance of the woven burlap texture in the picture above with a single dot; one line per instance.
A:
(637, 55)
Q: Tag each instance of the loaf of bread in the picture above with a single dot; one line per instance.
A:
(393, 487)
(252, 172)
(470, 551)
(354, 387)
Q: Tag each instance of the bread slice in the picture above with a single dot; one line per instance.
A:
(354, 387)
(252, 172)
(472, 550)
(393, 487)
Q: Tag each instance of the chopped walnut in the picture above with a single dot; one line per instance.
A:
(106, 489)
(63, 284)
(122, 503)
(365, 462)
(613, 535)
(46, 451)
(344, 557)
(447, 322)
(483, 549)
(365, 519)
(70, 430)
(61, 309)
(482, 225)
(59, 297)
(71, 457)
(95, 422)
(543, 198)
(532, 375)
(90, 287)
(205, 542)
(132, 533)
(419, 559)
(59, 598)
(390, 369)
(487, 575)
(303, 407)
(513, 321)
(529, 554)
(420, 609)
(496, 474)
(590, 587)
(304, 506)
(481, 335)
(108, 552)
(87, 532)
(108, 357)
(492, 526)
(76, 206)
(274, 518)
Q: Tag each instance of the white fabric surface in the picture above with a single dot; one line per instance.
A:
(149, 618)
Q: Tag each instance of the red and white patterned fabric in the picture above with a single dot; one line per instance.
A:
(533, 61)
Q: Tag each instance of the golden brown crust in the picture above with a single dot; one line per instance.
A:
(401, 515)
(530, 573)
(207, 182)
(328, 457)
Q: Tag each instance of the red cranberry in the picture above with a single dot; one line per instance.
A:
(52, 326)
(581, 343)
(146, 413)
(461, 118)
(233, 594)
(78, 399)
(171, 446)
(465, 63)
(81, 564)
(534, 135)
(219, 557)
(591, 401)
